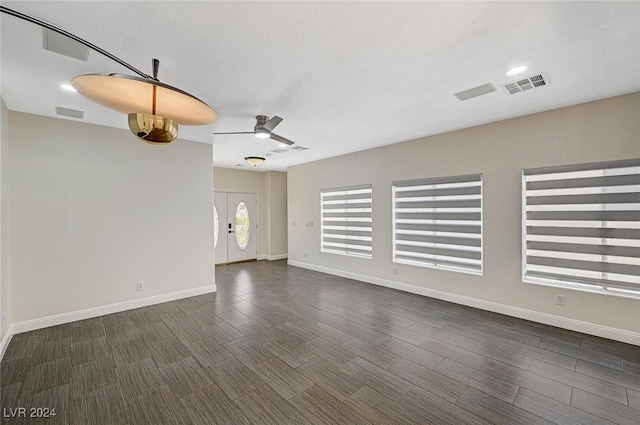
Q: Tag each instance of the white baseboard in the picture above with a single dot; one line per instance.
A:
(59, 319)
(273, 257)
(6, 339)
(535, 316)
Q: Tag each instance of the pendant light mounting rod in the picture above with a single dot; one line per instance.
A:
(156, 67)
(51, 27)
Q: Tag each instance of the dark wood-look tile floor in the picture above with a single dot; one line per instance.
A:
(284, 345)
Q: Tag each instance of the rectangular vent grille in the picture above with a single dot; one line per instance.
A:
(528, 83)
(63, 45)
(66, 112)
(292, 148)
(475, 92)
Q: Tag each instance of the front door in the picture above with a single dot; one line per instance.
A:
(237, 227)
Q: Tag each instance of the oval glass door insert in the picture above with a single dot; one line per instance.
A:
(242, 226)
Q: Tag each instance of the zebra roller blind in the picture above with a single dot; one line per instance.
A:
(582, 226)
(438, 223)
(346, 221)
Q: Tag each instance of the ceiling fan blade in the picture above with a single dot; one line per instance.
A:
(281, 139)
(272, 123)
(237, 132)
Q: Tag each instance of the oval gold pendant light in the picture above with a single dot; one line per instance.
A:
(153, 129)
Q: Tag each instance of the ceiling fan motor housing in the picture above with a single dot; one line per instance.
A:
(261, 120)
(259, 129)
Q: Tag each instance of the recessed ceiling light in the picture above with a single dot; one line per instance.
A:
(516, 70)
(67, 87)
(282, 145)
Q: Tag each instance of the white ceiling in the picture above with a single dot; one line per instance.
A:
(344, 76)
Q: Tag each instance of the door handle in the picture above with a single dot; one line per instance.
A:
(231, 231)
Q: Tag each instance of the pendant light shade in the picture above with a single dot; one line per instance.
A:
(254, 160)
(129, 94)
(155, 109)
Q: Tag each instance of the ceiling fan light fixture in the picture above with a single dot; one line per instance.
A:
(264, 130)
(262, 133)
(153, 129)
(254, 160)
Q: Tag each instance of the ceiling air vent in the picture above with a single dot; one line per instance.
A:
(292, 148)
(72, 113)
(64, 45)
(523, 84)
(475, 92)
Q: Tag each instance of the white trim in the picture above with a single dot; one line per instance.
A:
(273, 257)
(6, 339)
(72, 316)
(535, 316)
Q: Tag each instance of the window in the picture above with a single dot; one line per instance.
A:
(346, 221)
(437, 223)
(582, 226)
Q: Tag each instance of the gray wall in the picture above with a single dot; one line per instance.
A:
(598, 131)
(277, 188)
(5, 271)
(94, 211)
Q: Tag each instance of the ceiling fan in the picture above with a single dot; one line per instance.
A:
(264, 129)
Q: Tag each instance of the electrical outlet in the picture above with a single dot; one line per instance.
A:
(140, 286)
(559, 299)
(305, 255)
(395, 270)
(293, 223)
